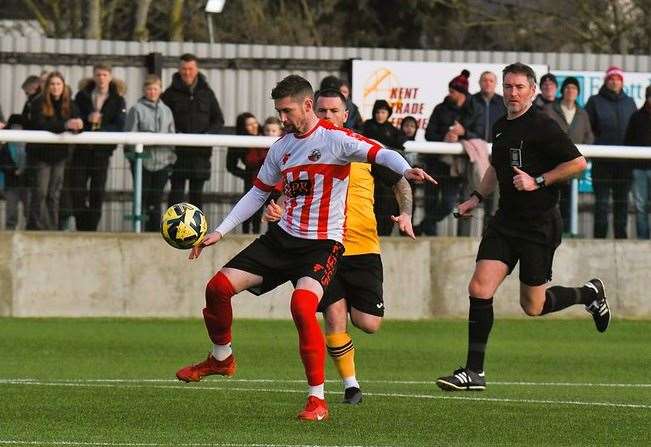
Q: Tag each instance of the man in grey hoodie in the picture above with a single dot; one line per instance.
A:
(150, 114)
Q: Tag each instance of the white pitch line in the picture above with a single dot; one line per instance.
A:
(404, 395)
(153, 444)
(386, 382)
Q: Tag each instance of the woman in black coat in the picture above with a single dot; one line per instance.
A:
(53, 111)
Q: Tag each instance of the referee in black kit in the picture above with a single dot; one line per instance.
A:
(531, 156)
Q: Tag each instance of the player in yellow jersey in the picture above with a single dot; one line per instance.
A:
(357, 286)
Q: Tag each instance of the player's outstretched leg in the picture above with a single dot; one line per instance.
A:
(218, 317)
(480, 323)
(599, 308)
(592, 295)
(311, 346)
(342, 351)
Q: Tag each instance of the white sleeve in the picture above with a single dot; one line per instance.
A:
(243, 209)
(356, 147)
(270, 172)
(392, 160)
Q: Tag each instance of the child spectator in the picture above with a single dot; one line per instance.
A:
(150, 114)
(273, 127)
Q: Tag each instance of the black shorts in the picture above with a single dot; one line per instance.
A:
(280, 257)
(535, 258)
(359, 281)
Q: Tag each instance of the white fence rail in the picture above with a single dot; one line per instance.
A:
(141, 139)
(209, 140)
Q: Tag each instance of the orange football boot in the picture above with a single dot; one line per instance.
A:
(208, 367)
(315, 410)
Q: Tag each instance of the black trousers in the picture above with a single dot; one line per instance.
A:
(89, 170)
(607, 178)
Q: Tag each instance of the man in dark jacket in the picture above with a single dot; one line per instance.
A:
(638, 133)
(609, 112)
(452, 120)
(488, 104)
(102, 107)
(196, 110)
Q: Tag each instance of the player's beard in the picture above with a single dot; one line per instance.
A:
(295, 128)
(289, 128)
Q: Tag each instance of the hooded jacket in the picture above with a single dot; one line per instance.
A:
(386, 133)
(446, 113)
(114, 110)
(148, 116)
(196, 110)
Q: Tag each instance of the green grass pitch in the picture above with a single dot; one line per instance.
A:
(106, 382)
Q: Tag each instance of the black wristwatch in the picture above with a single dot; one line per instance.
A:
(540, 181)
(478, 195)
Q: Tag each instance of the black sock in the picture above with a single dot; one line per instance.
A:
(480, 322)
(558, 298)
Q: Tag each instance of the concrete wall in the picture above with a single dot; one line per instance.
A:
(129, 275)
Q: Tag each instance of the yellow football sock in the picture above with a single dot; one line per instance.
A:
(342, 351)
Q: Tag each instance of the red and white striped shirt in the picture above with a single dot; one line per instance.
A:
(314, 168)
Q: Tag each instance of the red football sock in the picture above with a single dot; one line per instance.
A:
(310, 338)
(218, 313)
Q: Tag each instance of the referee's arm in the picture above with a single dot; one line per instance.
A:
(563, 171)
(566, 171)
(488, 182)
(486, 186)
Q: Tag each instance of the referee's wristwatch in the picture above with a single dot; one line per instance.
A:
(540, 181)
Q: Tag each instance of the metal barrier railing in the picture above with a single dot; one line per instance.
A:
(140, 139)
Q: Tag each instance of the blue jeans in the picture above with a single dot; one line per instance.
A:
(641, 186)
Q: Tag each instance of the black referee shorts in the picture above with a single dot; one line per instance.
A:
(535, 258)
(359, 281)
(280, 257)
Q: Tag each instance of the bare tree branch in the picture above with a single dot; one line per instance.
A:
(176, 21)
(94, 27)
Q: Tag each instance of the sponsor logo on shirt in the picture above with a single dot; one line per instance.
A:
(298, 188)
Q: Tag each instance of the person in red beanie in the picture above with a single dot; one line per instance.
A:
(609, 112)
(454, 119)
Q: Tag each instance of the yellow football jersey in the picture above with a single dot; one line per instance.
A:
(360, 236)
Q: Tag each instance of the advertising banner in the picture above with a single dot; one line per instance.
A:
(590, 82)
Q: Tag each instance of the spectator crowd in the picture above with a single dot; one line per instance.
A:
(64, 187)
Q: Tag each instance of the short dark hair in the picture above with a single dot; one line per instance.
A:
(31, 79)
(520, 68)
(189, 57)
(330, 83)
(330, 93)
(295, 86)
(102, 66)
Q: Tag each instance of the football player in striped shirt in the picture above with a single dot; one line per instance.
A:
(313, 162)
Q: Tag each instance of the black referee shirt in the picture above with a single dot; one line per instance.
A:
(536, 144)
